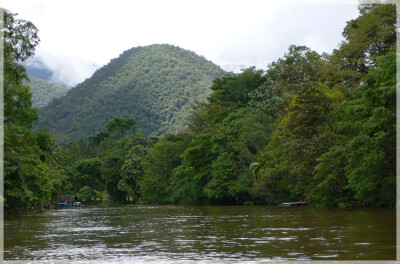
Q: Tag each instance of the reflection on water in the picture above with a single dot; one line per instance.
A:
(165, 234)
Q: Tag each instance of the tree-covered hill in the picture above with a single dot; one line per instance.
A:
(155, 84)
(43, 92)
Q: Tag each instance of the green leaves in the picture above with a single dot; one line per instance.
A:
(335, 143)
(301, 137)
(223, 176)
(85, 194)
(369, 36)
(232, 90)
(163, 158)
(372, 149)
(20, 38)
(132, 171)
(122, 126)
(28, 177)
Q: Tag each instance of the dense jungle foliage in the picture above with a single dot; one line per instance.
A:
(43, 92)
(30, 174)
(155, 84)
(314, 127)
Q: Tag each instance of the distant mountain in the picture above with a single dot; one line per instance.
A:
(43, 92)
(37, 69)
(156, 84)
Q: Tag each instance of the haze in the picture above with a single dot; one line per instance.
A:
(78, 37)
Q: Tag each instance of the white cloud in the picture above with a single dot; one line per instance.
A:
(78, 36)
(65, 67)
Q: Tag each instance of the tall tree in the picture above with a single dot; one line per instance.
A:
(162, 159)
(301, 137)
(132, 171)
(27, 179)
(367, 37)
(88, 173)
(232, 90)
(371, 168)
(236, 142)
(285, 78)
(122, 126)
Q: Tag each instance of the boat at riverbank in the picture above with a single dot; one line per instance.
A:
(67, 205)
(299, 203)
(66, 201)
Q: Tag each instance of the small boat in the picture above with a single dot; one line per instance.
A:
(62, 205)
(299, 203)
(68, 205)
(66, 201)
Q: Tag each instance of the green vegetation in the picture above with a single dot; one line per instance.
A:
(156, 84)
(30, 170)
(43, 92)
(311, 127)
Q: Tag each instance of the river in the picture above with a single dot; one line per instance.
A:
(208, 234)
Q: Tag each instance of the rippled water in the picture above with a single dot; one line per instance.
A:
(166, 234)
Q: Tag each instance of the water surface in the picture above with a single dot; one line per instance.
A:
(165, 234)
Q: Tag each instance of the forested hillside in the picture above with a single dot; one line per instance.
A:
(43, 92)
(155, 84)
(314, 127)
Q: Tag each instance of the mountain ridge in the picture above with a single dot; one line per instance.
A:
(156, 84)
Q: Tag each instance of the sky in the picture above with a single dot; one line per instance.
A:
(78, 37)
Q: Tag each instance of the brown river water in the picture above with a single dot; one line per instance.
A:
(201, 234)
